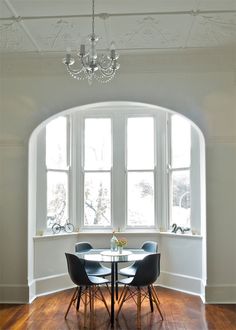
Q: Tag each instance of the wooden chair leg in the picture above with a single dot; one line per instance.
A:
(139, 309)
(155, 293)
(122, 292)
(71, 301)
(156, 302)
(150, 297)
(122, 301)
(104, 301)
(85, 306)
(91, 303)
(79, 297)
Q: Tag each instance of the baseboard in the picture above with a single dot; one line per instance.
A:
(223, 294)
(14, 294)
(210, 294)
(50, 284)
(188, 284)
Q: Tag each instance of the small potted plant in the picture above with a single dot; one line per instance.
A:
(121, 243)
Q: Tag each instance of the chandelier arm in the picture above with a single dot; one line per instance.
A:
(83, 61)
(103, 79)
(107, 74)
(74, 71)
(105, 67)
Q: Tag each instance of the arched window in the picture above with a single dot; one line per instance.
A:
(132, 169)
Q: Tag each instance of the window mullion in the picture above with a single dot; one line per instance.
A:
(118, 173)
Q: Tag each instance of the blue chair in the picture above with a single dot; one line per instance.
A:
(93, 268)
(89, 284)
(141, 284)
(148, 246)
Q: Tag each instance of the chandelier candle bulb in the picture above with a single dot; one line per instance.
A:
(68, 57)
(82, 50)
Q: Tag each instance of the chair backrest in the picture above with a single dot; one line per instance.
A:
(150, 246)
(76, 270)
(83, 246)
(148, 270)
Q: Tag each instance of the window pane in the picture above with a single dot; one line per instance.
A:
(57, 198)
(56, 143)
(97, 199)
(180, 141)
(140, 143)
(97, 144)
(181, 201)
(140, 199)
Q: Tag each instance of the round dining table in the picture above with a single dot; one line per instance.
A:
(114, 258)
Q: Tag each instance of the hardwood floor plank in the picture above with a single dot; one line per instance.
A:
(181, 312)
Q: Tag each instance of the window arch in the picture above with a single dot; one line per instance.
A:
(149, 185)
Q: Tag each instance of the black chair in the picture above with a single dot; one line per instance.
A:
(141, 285)
(89, 284)
(148, 246)
(93, 268)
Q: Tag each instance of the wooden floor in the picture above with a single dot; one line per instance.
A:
(181, 311)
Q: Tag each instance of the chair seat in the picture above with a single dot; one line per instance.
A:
(97, 271)
(98, 280)
(125, 281)
(128, 271)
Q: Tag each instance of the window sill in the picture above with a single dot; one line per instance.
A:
(167, 233)
(134, 232)
(54, 236)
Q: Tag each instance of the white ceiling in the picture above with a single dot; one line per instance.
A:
(134, 25)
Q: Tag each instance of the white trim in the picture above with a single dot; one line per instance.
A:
(181, 282)
(99, 231)
(220, 293)
(14, 293)
(52, 283)
(179, 290)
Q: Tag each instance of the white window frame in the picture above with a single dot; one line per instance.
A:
(119, 172)
(154, 170)
(66, 170)
(171, 170)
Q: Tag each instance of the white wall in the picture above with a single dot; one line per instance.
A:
(181, 259)
(201, 86)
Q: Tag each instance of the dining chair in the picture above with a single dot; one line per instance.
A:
(93, 268)
(89, 284)
(140, 285)
(148, 246)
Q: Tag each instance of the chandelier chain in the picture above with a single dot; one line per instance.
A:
(93, 19)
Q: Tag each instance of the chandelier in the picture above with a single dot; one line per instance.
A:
(90, 64)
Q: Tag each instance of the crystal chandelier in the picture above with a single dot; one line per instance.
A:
(90, 64)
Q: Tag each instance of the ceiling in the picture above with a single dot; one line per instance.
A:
(135, 25)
